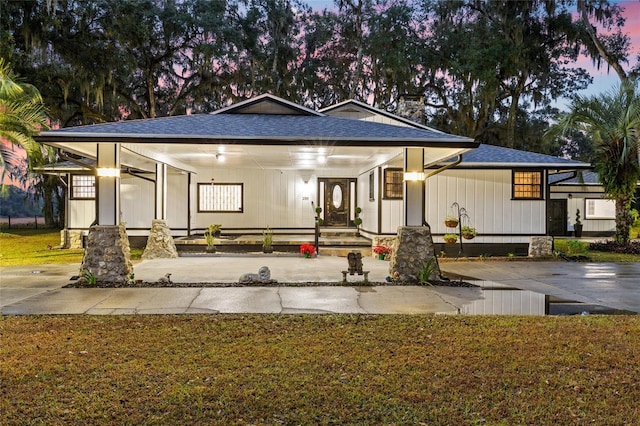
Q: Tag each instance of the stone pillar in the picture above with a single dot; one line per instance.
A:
(160, 242)
(412, 250)
(540, 246)
(107, 256)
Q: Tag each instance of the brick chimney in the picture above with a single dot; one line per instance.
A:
(411, 107)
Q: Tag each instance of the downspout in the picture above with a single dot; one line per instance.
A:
(435, 172)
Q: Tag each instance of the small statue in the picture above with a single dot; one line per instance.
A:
(355, 263)
(262, 277)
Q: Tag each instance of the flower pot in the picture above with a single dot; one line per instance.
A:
(451, 223)
(307, 255)
(577, 230)
(381, 256)
(450, 241)
(267, 249)
(468, 236)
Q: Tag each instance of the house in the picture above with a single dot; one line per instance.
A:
(506, 194)
(268, 162)
(582, 192)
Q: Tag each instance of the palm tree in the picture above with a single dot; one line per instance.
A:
(612, 120)
(22, 115)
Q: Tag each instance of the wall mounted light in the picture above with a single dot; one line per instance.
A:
(107, 172)
(414, 176)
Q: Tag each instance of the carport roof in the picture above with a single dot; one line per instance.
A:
(486, 156)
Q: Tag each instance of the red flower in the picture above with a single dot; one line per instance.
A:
(382, 249)
(307, 249)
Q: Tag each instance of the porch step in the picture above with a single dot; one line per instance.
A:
(344, 251)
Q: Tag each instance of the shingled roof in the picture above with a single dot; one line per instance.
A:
(231, 127)
(496, 156)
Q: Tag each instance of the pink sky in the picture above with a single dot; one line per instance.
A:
(604, 79)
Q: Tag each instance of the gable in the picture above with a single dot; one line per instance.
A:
(267, 105)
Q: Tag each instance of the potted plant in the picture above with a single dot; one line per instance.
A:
(209, 236)
(267, 240)
(469, 233)
(357, 220)
(450, 238)
(318, 218)
(451, 221)
(307, 250)
(382, 251)
(577, 226)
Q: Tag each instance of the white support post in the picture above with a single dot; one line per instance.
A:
(161, 191)
(414, 197)
(108, 183)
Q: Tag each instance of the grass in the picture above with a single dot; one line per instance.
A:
(319, 369)
(577, 247)
(29, 246)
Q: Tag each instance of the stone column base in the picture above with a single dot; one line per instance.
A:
(160, 242)
(107, 257)
(412, 252)
(540, 246)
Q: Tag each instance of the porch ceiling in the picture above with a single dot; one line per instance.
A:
(198, 156)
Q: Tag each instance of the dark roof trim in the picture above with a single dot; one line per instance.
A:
(235, 140)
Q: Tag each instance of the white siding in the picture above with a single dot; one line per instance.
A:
(177, 196)
(274, 198)
(486, 196)
(577, 201)
(137, 202)
(82, 213)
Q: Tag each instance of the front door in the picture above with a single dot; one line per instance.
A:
(557, 218)
(336, 202)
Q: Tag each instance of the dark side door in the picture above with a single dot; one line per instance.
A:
(557, 218)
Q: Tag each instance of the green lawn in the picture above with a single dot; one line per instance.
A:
(319, 370)
(28, 246)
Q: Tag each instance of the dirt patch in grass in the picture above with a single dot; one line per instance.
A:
(319, 369)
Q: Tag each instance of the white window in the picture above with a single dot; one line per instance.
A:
(599, 208)
(83, 187)
(220, 197)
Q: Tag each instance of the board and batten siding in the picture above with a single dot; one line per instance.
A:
(577, 201)
(274, 198)
(486, 196)
(137, 202)
(82, 213)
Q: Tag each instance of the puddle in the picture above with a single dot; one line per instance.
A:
(499, 299)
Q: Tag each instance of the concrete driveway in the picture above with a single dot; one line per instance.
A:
(615, 285)
(38, 289)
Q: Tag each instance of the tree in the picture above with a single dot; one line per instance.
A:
(486, 61)
(612, 120)
(22, 116)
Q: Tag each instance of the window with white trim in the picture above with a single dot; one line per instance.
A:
(527, 185)
(220, 197)
(83, 187)
(600, 208)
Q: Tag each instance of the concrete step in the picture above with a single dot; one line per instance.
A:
(344, 251)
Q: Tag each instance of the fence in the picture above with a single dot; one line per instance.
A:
(6, 222)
